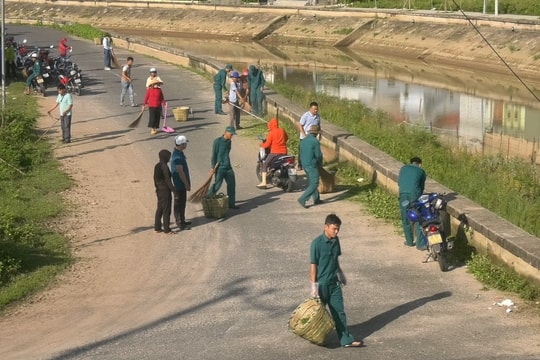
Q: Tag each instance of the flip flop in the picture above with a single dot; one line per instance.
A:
(355, 344)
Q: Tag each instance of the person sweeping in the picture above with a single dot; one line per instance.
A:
(220, 155)
(155, 100)
(276, 140)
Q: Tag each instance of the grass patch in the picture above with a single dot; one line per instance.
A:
(81, 30)
(31, 254)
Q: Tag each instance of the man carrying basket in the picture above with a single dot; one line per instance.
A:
(327, 277)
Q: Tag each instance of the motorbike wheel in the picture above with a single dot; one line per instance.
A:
(42, 90)
(289, 186)
(443, 261)
(258, 172)
(77, 90)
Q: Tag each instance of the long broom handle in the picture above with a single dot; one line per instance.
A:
(250, 113)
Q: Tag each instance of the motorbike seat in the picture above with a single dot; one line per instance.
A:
(430, 222)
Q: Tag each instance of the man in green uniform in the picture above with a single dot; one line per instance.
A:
(327, 277)
(220, 156)
(411, 181)
(311, 158)
(220, 86)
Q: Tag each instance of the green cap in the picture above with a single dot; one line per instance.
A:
(228, 67)
(231, 130)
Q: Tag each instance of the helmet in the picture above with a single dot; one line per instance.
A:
(34, 55)
(72, 72)
(153, 70)
(438, 203)
(413, 215)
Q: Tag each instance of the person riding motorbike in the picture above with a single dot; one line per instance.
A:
(276, 140)
(36, 71)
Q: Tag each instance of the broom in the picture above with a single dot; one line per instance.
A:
(198, 195)
(135, 123)
(327, 180)
(114, 60)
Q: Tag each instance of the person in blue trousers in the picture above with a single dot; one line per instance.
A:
(411, 182)
(311, 157)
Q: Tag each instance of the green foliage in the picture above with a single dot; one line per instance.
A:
(522, 7)
(81, 30)
(344, 31)
(30, 181)
(502, 278)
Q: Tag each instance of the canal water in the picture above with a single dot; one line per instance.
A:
(462, 104)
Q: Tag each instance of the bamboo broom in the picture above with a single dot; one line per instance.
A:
(198, 195)
(135, 122)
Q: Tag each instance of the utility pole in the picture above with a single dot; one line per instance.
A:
(496, 7)
(3, 59)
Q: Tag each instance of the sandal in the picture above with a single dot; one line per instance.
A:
(355, 344)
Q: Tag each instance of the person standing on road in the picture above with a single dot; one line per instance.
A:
(411, 182)
(63, 47)
(234, 101)
(276, 140)
(155, 100)
(107, 50)
(11, 67)
(311, 156)
(310, 117)
(65, 101)
(220, 156)
(220, 87)
(327, 277)
(127, 83)
(164, 189)
(181, 180)
(153, 75)
(256, 83)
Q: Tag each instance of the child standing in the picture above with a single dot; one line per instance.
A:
(164, 189)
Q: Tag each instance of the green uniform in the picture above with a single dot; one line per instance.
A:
(220, 154)
(411, 181)
(220, 81)
(311, 158)
(324, 254)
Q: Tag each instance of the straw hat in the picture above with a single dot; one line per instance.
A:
(156, 82)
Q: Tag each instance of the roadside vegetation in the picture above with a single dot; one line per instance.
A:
(31, 254)
(84, 31)
(518, 7)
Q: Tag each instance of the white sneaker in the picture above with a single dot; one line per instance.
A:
(107, 68)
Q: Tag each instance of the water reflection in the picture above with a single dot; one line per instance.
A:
(482, 111)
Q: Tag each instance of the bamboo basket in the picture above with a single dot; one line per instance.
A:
(311, 321)
(215, 207)
(97, 41)
(181, 113)
(327, 181)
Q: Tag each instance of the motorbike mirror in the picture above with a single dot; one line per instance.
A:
(405, 203)
(52, 46)
(24, 41)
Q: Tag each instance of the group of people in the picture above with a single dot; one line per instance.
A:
(243, 89)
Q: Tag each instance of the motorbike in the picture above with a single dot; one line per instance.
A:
(426, 211)
(281, 172)
(72, 82)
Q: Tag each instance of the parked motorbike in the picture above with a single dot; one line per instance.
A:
(281, 172)
(426, 211)
(72, 82)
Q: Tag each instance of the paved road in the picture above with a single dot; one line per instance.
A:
(225, 289)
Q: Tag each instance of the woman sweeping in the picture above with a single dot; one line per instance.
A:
(155, 100)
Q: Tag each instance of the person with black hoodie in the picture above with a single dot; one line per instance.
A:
(164, 189)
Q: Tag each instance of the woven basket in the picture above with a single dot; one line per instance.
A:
(181, 113)
(327, 181)
(215, 207)
(311, 321)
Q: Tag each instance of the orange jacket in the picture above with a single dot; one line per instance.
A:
(276, 139)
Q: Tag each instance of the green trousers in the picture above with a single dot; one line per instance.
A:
(332, 296)
(407, 228)
(217, 102)
(228, 176)
(312, 174)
